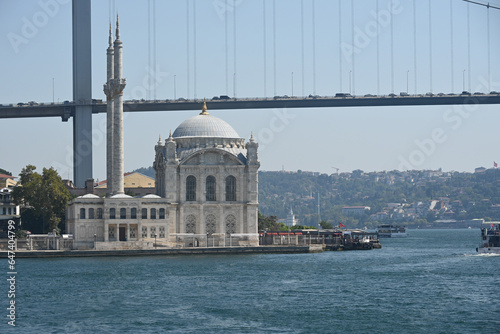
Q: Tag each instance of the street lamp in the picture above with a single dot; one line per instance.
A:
(155, 239)
(95, 240)
(292, 83)
(175, 88)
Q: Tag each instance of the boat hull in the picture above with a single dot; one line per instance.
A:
(392, 235)
(489, 250)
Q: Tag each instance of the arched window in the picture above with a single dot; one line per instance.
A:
(191, 224)
(82, 213)
(190, 188)
(133, 213)
(153, 214)
(210, 225)
(144, 213)
(230, 224)
(210, 188)
(230, 188)
(112, 213)
(123, 213)
(91, 213)
(99, 213)
(162, 213)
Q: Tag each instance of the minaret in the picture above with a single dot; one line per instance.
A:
(108, 90)
(118, 85)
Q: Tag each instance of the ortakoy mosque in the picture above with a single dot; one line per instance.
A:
(206, 185)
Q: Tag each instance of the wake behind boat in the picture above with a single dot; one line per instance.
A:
(490, 238)
(391, 231)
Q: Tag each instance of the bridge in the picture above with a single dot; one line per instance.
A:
(67, 109)
(84, 105)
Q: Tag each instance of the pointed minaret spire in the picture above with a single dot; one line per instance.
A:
(110, 36)
(117, 27)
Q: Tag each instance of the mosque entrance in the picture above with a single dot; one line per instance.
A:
(122, 234)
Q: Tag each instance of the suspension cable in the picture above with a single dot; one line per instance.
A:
(468, 45)
(302, 42)
(314, 44)
(187, 46)
(265, 47)
(352, 43)
(234, 46)
(340, 44)
(274, 45)
(451, 47)
(430, 46)
(194, 47)
(415, 43)
(378, 55)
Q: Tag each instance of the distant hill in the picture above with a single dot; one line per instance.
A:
(411, 197)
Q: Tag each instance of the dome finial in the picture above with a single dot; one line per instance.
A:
(159, 140)
(204, 108)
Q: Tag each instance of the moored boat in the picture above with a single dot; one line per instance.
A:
(391, 231)
(490, 238)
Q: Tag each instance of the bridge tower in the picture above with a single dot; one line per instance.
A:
(82, 92)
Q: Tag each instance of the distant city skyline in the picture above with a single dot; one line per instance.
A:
(37, 64)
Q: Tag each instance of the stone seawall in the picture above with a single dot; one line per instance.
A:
(169, 251)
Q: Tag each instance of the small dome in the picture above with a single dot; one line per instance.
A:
(205, 125)
(88, 196)
(121, 196)
(151, 196)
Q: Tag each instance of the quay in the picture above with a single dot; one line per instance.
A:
(168, 251)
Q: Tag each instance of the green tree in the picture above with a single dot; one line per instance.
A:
(3, 171)
(45, 197)
(326, 225)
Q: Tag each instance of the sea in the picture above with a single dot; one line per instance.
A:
(431, 282)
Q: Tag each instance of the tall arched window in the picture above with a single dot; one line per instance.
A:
(210, 188)
(112, 213)
(123, 213)
(133, 213)
(152, 214)
(162, 213)
(82, 213)
(91, 213)
(230, 188)
(190, 188)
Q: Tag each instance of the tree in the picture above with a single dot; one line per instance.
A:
(3, 171)
(324, 224)
(270, 223)
(45, 196)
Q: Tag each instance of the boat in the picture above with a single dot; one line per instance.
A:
(391, 231)
(490, 238)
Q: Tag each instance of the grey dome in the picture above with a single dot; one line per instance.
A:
(205, 125)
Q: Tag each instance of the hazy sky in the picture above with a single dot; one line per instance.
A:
(36, 51)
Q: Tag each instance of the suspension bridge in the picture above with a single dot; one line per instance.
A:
(348, 71)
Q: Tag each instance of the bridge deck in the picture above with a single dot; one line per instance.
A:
(66, 110)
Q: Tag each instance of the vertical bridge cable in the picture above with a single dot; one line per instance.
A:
(468, 45)
(314, 44)
(234, 46)
(451, 47)
(352, 44)
(274, 44)
(194, 47)
(226, 46)
(415, 43)
(488, 36)
(187, 46)
(392, 54)
(265, 42)
(153, 70)
(430, 47)
(340, 44)
(148, 90)
(302, 42)
(378, 54)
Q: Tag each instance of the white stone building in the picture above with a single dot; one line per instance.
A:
(206, 188)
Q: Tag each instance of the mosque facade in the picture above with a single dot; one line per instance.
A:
(206, 185)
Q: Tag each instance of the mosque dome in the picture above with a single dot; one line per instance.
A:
(205, 125)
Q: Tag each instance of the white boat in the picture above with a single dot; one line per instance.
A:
(490, 238)
(391, 231)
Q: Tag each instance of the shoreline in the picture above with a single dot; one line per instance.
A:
(166, 251)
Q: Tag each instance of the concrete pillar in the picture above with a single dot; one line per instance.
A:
(82, 92)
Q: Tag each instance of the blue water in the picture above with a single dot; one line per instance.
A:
(430, 282)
